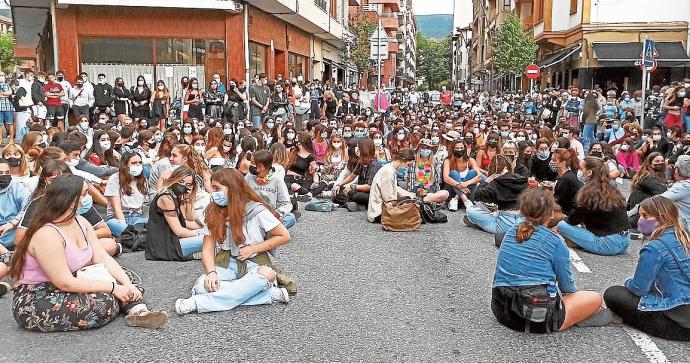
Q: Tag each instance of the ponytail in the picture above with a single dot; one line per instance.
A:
(524, 231)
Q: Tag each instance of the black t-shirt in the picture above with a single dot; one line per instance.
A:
(91, 216)
(301, 165)
(601, 223)
(566, 190)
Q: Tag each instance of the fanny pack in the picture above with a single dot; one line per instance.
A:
(320, 206)
(536, 304)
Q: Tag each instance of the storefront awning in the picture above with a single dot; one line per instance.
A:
(671, 54)
(559, 56)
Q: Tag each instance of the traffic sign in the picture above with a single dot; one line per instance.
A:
(649, 53)
(532, 71)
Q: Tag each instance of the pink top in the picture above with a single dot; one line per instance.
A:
(76, 259)
(628, 160)
(384, 101)
(320, 151)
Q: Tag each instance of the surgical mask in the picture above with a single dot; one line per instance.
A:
(520, 138)
(136, 170)
(200, 149)
(291, 135)
(378, 142)
(347, 134)
(84, 125)
(435, 140)
(337, 145)
(624, 147)
(73, 162)
(105, 145)
(161, 87)
(85, 205)
(219, 198)
(227, 132)
(359, 134)
(543, 155)
(581, 176)
(425, 153)
(505, 133)
(400, 137)
(140, 83)
(644, 138)
(195, 85)
(615, 127)
(270, 125)
(226, 149)
(158, 137)
(669, 135)
(647, 226)
(187, 130)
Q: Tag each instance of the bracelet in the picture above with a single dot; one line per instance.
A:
(212, 271)
(113, 289)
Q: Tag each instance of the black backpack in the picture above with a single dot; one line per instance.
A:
(133, 238)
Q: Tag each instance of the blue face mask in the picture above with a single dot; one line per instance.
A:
(359, 134)
(220, 198)
(85, 205)
(425, 153)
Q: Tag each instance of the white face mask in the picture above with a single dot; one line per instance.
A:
(105, 145)
(290, 136)
(378, 142)
(161, 87)
(400, 137)
(200, 149)
(227, 131)
(136, 170)
(226, 149)
(140, 83)
(337, 145)
(73, 162)
(84, 125)
(187, 130)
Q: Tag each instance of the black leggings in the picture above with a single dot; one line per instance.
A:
(657, 323)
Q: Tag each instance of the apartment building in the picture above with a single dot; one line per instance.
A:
(168, 39)
(385, 13)
(488, 15)
(462, 37)
(406, 71)
(597, 42)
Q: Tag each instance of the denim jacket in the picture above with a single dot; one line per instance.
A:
(658, 279)
(540, 260)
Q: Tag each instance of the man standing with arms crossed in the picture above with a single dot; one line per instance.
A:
(259, 100)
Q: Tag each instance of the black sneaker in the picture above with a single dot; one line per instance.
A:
(468, 222)
(304, 198)
(297, 214)
(4, 288)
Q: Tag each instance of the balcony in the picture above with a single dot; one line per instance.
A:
(227, 5)
(306, 15)
(393, 4)
(390, 21)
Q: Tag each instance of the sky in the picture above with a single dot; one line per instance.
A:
(426, 7)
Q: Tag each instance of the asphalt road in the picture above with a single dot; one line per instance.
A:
(364, 295)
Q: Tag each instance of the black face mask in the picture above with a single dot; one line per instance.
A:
(179, 189)
(14, 162)
(117, 147)
(596, 153)
(152, 144)
(60, 78)
(492, 144)
(5, 181)
(459, 153)
(253, 171)
(658, 167)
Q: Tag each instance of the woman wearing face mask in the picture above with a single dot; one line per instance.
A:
(127, 193)
(656, 300)
(60, 241)
(247, 147)
(214, 100)
(566, 164)
(188, 131)
(628, 159)
(19, 167)
(13, 197)
(173, 227)
(160, 103)
(334, 162)
(245, 230)
(673, 104)
(213, 151)
(486, 153)
(510, 150)
(122, 96)
(605, 152)
(421, 178)
(101, 152)
(649, 181)
(279, 102)
(385, 187)
(460, 174)
(330, 105)
(146, 148)
(320, 143)
(383, 155)
(357, 193)
(302, 176)
(193, 99)
(397, 140)
(165, 143)
(290, 138)
(272, 188)
(600, 208)
(141, 96)
(540, 169)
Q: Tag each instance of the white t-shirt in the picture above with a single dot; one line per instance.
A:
(129, 203)
(254, 230)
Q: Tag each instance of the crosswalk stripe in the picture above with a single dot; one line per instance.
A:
(578, 263)
(647, 346)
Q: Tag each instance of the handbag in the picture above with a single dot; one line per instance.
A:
(97, 272)
(432, 213)
(400, 219)
(536, 304)
(320, 206)
(133, 238)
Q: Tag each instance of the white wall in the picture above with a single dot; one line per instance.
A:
(610, 11)
(562, 19)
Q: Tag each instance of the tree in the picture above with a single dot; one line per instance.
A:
(513, 49)
(362, 27)
(434, 60)
(7, 60)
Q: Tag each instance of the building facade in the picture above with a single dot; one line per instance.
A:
(168, 39)
(461, 40)
(385, 13)
(584, 43)
(487, 16)
(406, 72)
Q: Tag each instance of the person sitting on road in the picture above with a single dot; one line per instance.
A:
(601, 209)
(57, 244)
(245, 230)
(13, 198)
(541, 158)
(656, 300)
(127, 193)
(173, 227)
(567, 165)
(510, 150)
(358, 193)
(534, 261)
(421, 178)
(679, 192)
(384, 186)
(273, 189)
(502, 188)
(649, 181)
(302, 176)
(461, 174)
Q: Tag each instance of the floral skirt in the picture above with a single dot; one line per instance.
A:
(44, 308)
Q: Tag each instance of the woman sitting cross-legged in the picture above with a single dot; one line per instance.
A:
(534, 262)
(245, 230)
(57, 244)
(656, 300)
(600, 207)
(173, 228)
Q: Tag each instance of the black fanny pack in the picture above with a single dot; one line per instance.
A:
(537, 305)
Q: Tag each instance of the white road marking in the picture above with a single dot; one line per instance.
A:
(577, 262)
(647, 346)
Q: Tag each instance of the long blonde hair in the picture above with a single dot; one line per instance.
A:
(24, 163)
(666, 214)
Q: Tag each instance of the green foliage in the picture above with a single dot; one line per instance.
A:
(7, 60)
(361, 27)
(423, 87)
(513, 48)
(434, 60)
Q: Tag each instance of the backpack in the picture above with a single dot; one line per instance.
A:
(133, 238)
(432, 213)
(320, 206)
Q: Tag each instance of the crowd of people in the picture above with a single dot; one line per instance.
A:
(217, 175)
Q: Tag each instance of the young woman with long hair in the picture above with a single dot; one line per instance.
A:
(281, 159)
(57, 244)
(302, 176)
(166, 142)
(101, 152)
(214, 152)
(656, 300)
(320, 143)
(173, 227)
(383, 155)
(127, 193)
(461, 173)
(248, 145)
(182, 154)
(421, 179)
(141, 97)
(600, 207)
(673, 104)
(19, 166)
(532, 258)
(244, 230)
(649, 181)
(486, 153)
(335, 159)
(566, 164)
(160, 103)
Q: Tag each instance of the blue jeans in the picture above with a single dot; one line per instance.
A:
(610, 245)
(588, 137)
(7, 117)
(251, 289)
(497, 222)
(455, 175)
(191, 244)
(686, 120)
(117, 226)
(289, 220)
(256, 120)
(7, 239)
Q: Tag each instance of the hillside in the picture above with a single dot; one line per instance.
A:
(435, 26)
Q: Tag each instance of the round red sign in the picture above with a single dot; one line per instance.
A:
(532, 71)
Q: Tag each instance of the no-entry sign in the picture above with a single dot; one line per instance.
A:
(532, 71)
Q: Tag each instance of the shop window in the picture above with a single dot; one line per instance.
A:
(116, 50)
(257, 59)
(296, 65)
(207, 56)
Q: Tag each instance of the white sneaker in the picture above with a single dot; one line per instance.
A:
(453, 205)
(280, 294)
(185, 306)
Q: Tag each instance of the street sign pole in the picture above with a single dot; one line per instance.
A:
(378, 57)
(644, 94)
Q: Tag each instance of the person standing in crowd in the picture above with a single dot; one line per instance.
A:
(64, 100)
(141, 96)
(446, 97)
(38, 97)
(160, 103)
(103, 98)
(259, 99)
(6, 110)
(80, 99)
(214, 99)
(54, 92)
(122, 98)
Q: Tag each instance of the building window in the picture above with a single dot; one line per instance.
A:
(296, 65)
(538, 10)
(321, 4)
(257, 58)
(116, 50)
(207, 55)
(506, 5)
(573, 6)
